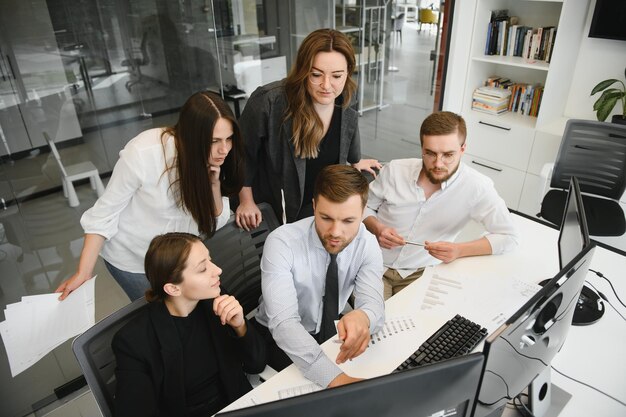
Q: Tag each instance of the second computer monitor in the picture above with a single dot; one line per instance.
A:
(442, 389)
(574, 234)
(524, 346)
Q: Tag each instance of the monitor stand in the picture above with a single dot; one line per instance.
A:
(544, 399)
(589, 307)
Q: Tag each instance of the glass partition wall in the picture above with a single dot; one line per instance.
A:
(84, 77)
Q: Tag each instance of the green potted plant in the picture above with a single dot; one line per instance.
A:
(609, 98)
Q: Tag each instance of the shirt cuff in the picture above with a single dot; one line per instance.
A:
(322, 371)
(374, 325)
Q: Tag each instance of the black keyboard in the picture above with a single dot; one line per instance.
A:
(456, 337)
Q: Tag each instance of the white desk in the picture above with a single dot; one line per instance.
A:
(593, 354)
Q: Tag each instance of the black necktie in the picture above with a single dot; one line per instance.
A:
(330, 311)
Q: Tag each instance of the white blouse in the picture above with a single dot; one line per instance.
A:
(138, 204)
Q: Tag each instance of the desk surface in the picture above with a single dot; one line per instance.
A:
(593, 354)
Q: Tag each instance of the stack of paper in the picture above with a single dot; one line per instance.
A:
(40, 323)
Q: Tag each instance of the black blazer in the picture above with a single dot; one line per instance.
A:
(149, 362)
(271, 164)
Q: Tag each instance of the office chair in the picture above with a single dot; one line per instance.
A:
(427, 16)
(595, 153)
(398, 23)
(75, 172)
(135, 64)
(95, 355)
(238, 253)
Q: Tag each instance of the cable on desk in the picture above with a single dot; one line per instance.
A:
(601, 275)
(606, 300)
(589, 386)
(507, 396)
(522, 408)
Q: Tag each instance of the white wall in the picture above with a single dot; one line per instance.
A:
(598, 59)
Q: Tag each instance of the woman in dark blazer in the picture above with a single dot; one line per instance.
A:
(295, 127)
(187, 353)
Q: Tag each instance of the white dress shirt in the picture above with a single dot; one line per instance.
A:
(398, 201)
(293, 271)
(138, 203)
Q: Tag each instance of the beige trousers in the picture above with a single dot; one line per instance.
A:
(394, 283)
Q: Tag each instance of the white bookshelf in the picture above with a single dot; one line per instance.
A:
(510, 145)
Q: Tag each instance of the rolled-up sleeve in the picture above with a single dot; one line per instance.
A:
(127, 177)
(490, 210)
(375, 196)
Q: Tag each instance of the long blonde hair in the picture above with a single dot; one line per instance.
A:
(307, 127)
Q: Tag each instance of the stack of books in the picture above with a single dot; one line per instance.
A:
(491, 100)
(506, 37)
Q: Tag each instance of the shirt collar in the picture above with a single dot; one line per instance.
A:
(453, 178)
(418, 169)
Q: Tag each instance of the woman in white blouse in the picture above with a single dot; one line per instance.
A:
(174, 179)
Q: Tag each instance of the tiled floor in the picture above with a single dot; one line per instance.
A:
(40, 241)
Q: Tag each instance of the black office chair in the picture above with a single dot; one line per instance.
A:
(95, 355)
(238, 253)
(595, 153)
(135, 63)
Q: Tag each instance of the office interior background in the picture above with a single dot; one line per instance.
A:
(79, 79)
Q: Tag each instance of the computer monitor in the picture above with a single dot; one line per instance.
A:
(574, 234)
(440, 389)
(524, 346)
(573, 237)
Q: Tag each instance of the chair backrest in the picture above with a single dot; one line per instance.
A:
(238, 253)
(595, 153)
(398, 22)
(55, 152)
(95, 355)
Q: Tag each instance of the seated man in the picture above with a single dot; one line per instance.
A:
(310, 268)
(417, 207)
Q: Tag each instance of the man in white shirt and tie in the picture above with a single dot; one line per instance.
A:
(309, 270)
(417, 207)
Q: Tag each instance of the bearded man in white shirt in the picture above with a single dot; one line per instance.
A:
(417, 207)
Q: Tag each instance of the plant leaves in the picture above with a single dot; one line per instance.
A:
(605, 108)
(603, 84)
(606, 94)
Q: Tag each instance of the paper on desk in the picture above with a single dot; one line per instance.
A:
(40, 323)
(483, 299)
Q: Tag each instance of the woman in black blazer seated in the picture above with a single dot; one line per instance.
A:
(186, 353)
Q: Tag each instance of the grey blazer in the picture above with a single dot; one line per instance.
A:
(270, 161)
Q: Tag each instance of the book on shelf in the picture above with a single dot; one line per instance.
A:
(492, 100)
(506, 37)
(499, 95)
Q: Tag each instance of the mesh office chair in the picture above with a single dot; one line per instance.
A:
(135, 63)
(95, 355)
(595, 153)
(238, 253)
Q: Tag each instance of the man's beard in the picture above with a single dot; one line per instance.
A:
(439, 180)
